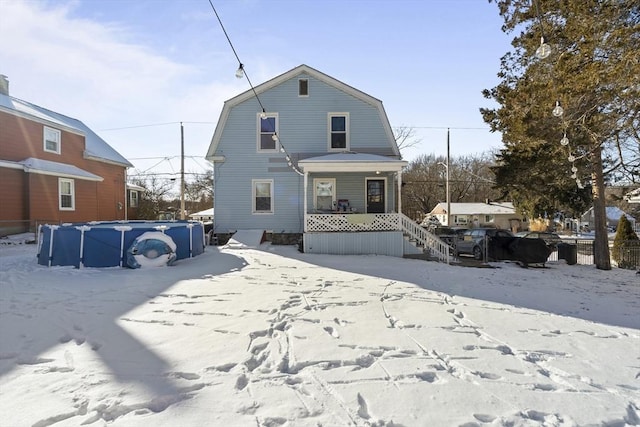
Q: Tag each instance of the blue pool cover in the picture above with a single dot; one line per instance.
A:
(105, 244)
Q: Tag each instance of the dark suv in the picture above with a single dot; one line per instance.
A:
(473, 241)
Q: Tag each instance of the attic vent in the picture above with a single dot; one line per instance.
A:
(303, 87)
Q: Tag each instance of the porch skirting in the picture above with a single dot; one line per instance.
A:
(389, 243)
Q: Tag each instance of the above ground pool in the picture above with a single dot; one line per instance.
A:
(120, 243)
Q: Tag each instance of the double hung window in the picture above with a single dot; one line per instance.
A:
(51, 140)
(66, 194)
(262, 192)
(338, 131)
(267, 132)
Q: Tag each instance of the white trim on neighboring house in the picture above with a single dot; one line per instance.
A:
(95, 147)
(254, 196)
(63, 170)
(311, 72)
(11, 165)
(51, 136)
(71, 194)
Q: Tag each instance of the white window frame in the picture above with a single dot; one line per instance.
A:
(134, 201)
(330, 131)
(259, 133)
(254, 184)
(51, 135)
(317, 181)
(72, 194)
(301, 95)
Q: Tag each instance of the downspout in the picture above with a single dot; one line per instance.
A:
(126, 198)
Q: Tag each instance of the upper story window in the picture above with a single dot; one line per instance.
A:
(303, 87)
(262, 190)
(51, 140)
(338, 131)
(133, 198)
(66, 194)
(267, 132)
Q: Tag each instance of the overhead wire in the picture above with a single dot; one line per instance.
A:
(241, 67)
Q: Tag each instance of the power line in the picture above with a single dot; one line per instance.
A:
(154, 125)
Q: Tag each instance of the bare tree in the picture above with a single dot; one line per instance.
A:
(405, 137)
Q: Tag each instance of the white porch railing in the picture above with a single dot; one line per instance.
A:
(379, 222)
(430, 242)
(351, 222)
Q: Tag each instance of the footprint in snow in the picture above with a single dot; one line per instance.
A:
(332, 331)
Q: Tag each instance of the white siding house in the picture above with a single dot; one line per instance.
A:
(498, 214)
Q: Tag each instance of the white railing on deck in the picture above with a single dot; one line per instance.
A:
(428, 241)
(351, 222)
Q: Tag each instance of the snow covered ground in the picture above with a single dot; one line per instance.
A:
(269, 336)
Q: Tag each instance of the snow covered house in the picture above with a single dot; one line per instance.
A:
(633, 196)
(498, 214)
(54, 169)
(308, 156)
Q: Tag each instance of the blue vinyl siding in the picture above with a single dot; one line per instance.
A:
(303, 131)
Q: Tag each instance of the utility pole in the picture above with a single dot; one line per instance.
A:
(447, 185)
(182, 212)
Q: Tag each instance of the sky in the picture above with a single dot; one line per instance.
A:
(263, 335)
(134, 70)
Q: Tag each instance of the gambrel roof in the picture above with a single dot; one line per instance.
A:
(95, 147)
(312, 72)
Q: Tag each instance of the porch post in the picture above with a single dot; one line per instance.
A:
(304, 213)
(399, 191)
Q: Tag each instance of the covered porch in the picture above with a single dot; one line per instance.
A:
(352, 192)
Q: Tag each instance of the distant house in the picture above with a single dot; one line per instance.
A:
(613, 214)
(54, 169)
(496, 214)
(309, 159)
(134, 195)
(633, 197)
(205, 215)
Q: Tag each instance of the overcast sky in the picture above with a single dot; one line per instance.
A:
(133, 70)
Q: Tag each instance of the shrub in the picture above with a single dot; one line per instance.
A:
(626, 245)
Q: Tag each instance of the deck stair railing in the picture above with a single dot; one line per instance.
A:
(430, 243)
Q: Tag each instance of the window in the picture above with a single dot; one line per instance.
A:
(324, 193)
(262, 195)
(51, 140)
(488, 218)
(133, 199)
(338, 131)
(66, 194)
(303, 87)
(268, 128)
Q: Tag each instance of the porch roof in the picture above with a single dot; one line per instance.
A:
(351, 162)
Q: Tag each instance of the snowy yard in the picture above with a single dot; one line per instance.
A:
(274, 337)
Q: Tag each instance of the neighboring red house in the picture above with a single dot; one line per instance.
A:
(54, 169)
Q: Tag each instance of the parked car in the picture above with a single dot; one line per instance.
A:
(449, 235)
(550, 238)
(473, 241)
